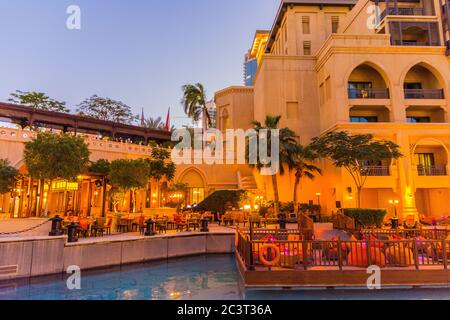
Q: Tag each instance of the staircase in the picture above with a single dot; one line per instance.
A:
(246, 182)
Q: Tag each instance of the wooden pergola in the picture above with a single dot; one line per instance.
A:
(26, 116)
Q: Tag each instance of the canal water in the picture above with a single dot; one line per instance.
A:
(195, 278)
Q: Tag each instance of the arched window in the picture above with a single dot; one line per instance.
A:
(225, 119)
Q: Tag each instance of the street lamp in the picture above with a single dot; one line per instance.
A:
(318, 194)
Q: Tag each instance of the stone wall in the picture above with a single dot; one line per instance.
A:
(23, 258)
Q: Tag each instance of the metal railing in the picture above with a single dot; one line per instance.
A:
(411, 11)
(424, 93)
(368, 93)
(431, 170)
(376, 171)
(338, 254)
(415, 43)
(429, 234)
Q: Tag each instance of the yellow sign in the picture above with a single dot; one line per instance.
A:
(64, 186)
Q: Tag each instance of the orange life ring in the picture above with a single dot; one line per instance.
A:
(264, 250)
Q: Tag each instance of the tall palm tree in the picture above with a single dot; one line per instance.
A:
(195, 102)
(154, 123)
(287, 145)
(301, 162)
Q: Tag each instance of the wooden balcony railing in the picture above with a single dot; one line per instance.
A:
(431, 170)
(376, 171)
(424, 93)
(368, 93)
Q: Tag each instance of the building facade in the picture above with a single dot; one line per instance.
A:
(378, 67)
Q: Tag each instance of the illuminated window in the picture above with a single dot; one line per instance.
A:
(196, 195)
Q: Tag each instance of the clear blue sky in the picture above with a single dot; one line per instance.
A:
(137, 51)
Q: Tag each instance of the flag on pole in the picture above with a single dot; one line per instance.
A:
(142, 118)
(168, 121)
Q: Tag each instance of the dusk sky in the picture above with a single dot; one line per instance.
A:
(140, 51)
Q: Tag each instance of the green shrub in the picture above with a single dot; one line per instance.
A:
(367, 217)
(287, 207)
(220, 201)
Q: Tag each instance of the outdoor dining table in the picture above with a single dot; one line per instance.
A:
(124, 225)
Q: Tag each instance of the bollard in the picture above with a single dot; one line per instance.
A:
(72, 232)
(205, 225)
(394, 223)
(56, 227)
(149, 225)
(282, 221)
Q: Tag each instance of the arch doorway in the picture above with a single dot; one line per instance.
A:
(196, 189)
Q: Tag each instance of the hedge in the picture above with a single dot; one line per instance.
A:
(220, 201)
(367, 217)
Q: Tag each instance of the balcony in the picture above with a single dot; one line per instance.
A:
(424, 93)
(368, 93)
(431, 171)
(376, 171)
(414, 33)
(412, 11)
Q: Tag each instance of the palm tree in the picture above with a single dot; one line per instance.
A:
(287, 145)
(195, 102)
(300, 162)
(154, 123)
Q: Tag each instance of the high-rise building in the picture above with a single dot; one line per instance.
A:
(254, 55)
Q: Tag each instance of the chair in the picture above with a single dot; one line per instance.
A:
(124, 225)
(161, 225)
(227, 219)
(141, 225)
(98, 227)
(194, 222)
(181, 223)
(83, 228)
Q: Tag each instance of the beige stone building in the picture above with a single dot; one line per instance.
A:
(378, 67)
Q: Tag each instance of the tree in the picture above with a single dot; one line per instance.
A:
(106, 109)
(129, 175)
(287, 144)
(38, 101)
(301, 163)
(353, 152)
(195, 103)
(50, 157)
(116, 197)
(102, 167)
(154, 123)
(8, 174)
(161, 166)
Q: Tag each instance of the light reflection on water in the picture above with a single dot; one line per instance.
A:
(196, 278)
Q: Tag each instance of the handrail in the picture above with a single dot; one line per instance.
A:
(342, 222)
(369, 93)
(424, 93)
(305, 222)
(431, 170)
(305, 254)
(376, 171)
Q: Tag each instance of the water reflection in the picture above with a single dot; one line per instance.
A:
(196, 278)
